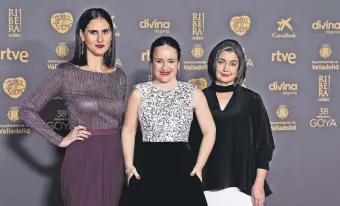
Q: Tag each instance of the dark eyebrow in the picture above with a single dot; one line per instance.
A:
(92, 30)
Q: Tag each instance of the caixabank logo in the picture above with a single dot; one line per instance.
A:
(284, 29)
(117, 33)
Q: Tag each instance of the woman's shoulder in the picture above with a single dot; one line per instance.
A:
(120, 71)
(143, 85)
(188, 86)
(250, 94)
(66, 67)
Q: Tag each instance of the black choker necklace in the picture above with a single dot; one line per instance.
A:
(219, 88)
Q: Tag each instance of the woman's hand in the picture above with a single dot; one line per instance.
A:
(197, 171)
(257, 194)
(79, 133)
(132, 171)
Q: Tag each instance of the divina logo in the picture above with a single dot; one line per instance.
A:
(275, 86)
(330, 27)
(284, 88)
(154, 24)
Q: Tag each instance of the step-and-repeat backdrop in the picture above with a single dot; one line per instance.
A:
(293, 54)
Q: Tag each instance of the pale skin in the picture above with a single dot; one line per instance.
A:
(226, 73)
(97, 38)
(165, 61)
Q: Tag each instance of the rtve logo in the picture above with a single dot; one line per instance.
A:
(279, 56)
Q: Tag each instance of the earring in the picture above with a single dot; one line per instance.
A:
(150, 76)
(82, 48)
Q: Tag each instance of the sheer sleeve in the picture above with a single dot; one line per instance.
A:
(263, 138)
(50, 88)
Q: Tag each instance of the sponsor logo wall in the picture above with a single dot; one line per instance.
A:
(292, 59)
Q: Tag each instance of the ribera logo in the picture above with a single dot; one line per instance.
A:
(14, 22)
(324, 83)
(197, 26)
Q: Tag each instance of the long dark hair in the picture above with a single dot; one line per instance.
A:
(80, 58)
(229, 45)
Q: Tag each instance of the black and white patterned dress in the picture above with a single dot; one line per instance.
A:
(163, 158)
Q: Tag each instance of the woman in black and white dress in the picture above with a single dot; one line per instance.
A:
(162, 170)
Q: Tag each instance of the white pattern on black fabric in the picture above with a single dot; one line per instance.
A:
(166, 115)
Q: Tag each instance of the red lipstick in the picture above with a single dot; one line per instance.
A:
(99, 46)
(165, 73)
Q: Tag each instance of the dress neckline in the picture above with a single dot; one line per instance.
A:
(167, 90)
(101, 73)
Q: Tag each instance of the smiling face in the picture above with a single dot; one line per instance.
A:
(97, 36)
(165, 63)
(227, 66)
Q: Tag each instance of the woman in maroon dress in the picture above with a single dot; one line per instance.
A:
(94, 91)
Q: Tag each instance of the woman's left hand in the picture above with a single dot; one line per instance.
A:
(198, 172)
(257, 194)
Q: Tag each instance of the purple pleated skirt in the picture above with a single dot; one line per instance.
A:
(92, 172)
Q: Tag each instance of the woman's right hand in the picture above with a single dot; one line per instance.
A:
(131, 172)
(78, 133)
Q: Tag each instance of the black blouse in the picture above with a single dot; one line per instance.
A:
(244, 141)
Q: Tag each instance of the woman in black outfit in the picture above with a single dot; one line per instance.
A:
(236, 169)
